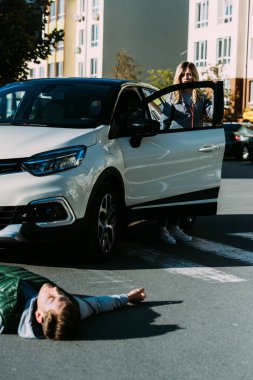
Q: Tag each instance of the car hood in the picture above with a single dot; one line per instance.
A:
(25, 141)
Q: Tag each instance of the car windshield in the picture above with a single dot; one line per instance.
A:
(71, 105)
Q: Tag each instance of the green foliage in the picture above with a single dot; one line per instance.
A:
(160, 78)
(126, 67)
(23, 38)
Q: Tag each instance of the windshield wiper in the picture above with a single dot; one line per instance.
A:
(26, 124)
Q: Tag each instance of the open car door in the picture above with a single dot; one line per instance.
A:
(174, 171)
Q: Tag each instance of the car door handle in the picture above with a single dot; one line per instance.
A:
(209, 148)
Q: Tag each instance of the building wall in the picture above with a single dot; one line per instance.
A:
(152, 32)
(238, 72)
(69, 38)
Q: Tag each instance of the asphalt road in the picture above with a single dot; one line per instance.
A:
(196, 322)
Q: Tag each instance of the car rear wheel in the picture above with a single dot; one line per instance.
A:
(104, 223)
(243, 154)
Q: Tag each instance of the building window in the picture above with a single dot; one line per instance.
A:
(41, 72)
(225, 11)
(93, 67)
(227, 92)
(94, 35)
(50, 68)
(224, 50)
(200, 53)
(202, 14)
(95, 7)
(81, 69)
(82, 6)
(60, 8)
(81, 37)
(32, 73)
(53, 10)
(60, 46)
(59, 69)
(251, 91)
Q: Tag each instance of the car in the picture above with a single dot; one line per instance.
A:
(250, 147)
(237, 137)
(248, 115)
(229, 129)
(80, 158)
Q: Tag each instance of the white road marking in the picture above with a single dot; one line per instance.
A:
(181, 266)
(224, 250)
(245, 235)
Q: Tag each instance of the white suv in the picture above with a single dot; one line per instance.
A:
(75, 162)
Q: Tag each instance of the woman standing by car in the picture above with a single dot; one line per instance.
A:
(183, 109)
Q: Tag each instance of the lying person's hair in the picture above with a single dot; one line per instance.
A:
(63, 326)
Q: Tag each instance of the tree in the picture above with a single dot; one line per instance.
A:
(160, 78)
(23, 37)
(126, 67)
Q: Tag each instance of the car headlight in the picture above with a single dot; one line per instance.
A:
(54, 161)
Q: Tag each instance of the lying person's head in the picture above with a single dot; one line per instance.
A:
(59, 316)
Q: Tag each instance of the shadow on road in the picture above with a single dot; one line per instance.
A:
(133, 321)
(143, 238)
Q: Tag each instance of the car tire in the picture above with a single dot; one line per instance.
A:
(243, 155)
(104, 223)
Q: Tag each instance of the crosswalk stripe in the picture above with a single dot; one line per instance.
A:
(223, 250)
(245, 235)
(181, 266)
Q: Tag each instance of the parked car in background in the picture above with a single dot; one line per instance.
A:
(80, 156)
(248, 115)
(229, 129)
(251, 150)
(238, 137)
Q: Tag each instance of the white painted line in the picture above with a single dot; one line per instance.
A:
(245, 235)
(181, 266)
(222, 250)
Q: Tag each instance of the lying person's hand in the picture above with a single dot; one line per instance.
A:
(136, 295)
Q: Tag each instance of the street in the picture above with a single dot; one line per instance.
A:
(196, 322)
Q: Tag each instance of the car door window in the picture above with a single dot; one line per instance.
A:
(155, 106)
(188, 106)
(128, 108)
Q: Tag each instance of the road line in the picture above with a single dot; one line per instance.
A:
(223, 250)
(245, 235)
(175, 265)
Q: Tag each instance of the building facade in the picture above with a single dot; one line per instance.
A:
(220, 34)
(152, 32)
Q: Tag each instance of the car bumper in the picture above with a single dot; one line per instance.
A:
(29, 233)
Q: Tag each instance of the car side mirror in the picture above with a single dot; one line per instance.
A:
(142, 128)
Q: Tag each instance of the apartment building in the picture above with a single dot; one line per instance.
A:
(152, 32)
(220, 32)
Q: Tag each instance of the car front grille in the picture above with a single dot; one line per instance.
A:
(10, 166)
(13, 215)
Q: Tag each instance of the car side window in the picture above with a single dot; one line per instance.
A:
(128, 108)
(9, 102)
(156, 106)
(187, 106)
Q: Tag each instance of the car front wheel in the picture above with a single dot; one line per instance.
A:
(104, 223)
